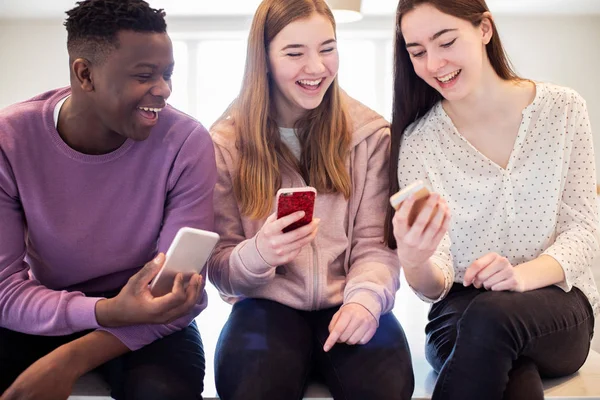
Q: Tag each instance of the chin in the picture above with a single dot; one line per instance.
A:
(454, 96)
(140, 135)
(311, 105)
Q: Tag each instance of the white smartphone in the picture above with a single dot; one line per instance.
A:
(187, 254)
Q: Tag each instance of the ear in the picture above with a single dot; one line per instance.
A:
(487, 30)
(82, 71)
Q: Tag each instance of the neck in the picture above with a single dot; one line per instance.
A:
(287, 115)
(94, 138)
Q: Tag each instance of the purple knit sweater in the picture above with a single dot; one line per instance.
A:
(72, 223)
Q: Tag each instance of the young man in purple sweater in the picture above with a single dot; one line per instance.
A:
(95, 181)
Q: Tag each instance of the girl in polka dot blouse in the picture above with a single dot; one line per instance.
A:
(504, 247)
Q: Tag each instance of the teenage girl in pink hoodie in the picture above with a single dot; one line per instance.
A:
(315, 300)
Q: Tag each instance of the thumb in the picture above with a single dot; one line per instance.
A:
(271, 218)
(149, 271)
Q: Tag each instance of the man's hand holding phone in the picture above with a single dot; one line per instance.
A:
(135, 304)
(420, 222)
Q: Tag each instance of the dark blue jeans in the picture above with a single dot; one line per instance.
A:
(268, 351)
(498, 345)
(171, 368)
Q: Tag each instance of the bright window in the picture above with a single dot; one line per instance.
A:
(219, 76)
(358, 70)
(208, 74)
(180, 94)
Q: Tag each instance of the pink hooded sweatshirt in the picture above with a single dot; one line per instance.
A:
(346, 263)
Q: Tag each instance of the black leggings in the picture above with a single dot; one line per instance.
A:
(268, 351)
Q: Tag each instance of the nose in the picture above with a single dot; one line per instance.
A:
(434, 62)
(314, 65)
(162, 88)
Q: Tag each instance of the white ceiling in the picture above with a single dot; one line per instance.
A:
(56, 8)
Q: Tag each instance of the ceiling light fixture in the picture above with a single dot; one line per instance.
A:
(345, 10)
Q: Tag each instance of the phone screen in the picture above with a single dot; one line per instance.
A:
(290, 202)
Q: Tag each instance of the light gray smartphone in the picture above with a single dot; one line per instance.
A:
(187, 254)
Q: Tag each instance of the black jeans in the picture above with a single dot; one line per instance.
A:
(498, 345)
(171, 368)
(268, 351)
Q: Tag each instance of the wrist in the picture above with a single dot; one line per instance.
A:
(104, 315)
(368, 300)
(407, 265)
(253, 258)
(521, 279)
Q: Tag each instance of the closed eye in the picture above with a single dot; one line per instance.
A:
(446, 45)
(143, 78)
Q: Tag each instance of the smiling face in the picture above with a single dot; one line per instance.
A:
(303, 62)
(132, 85)
(447, 52)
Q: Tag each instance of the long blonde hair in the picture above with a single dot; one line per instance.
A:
(323, 132)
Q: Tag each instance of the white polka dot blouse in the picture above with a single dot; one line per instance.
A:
(543, 202)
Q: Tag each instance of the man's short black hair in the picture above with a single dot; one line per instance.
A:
(93, 25)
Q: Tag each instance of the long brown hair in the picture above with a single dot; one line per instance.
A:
(413, 97)
(323, 132)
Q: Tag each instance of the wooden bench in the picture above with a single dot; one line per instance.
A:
(411, 312)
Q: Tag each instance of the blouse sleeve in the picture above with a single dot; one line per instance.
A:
(410, 169)
(577, 235)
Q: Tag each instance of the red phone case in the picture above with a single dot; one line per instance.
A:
(289, 203)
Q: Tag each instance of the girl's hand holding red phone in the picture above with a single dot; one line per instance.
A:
(290, 228)
(421, 220)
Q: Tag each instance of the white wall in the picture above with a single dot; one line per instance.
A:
(562, 50)
(33, 58)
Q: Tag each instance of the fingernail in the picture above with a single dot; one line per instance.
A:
(158, 259)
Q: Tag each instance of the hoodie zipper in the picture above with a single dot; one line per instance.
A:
(315, 299)
(315, 304)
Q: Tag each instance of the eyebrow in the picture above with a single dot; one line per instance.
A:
(297, 46)
(431, 39)
(151, 66)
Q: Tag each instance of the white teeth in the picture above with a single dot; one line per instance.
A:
(449, 77)
(311, 83)
(156, 110)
